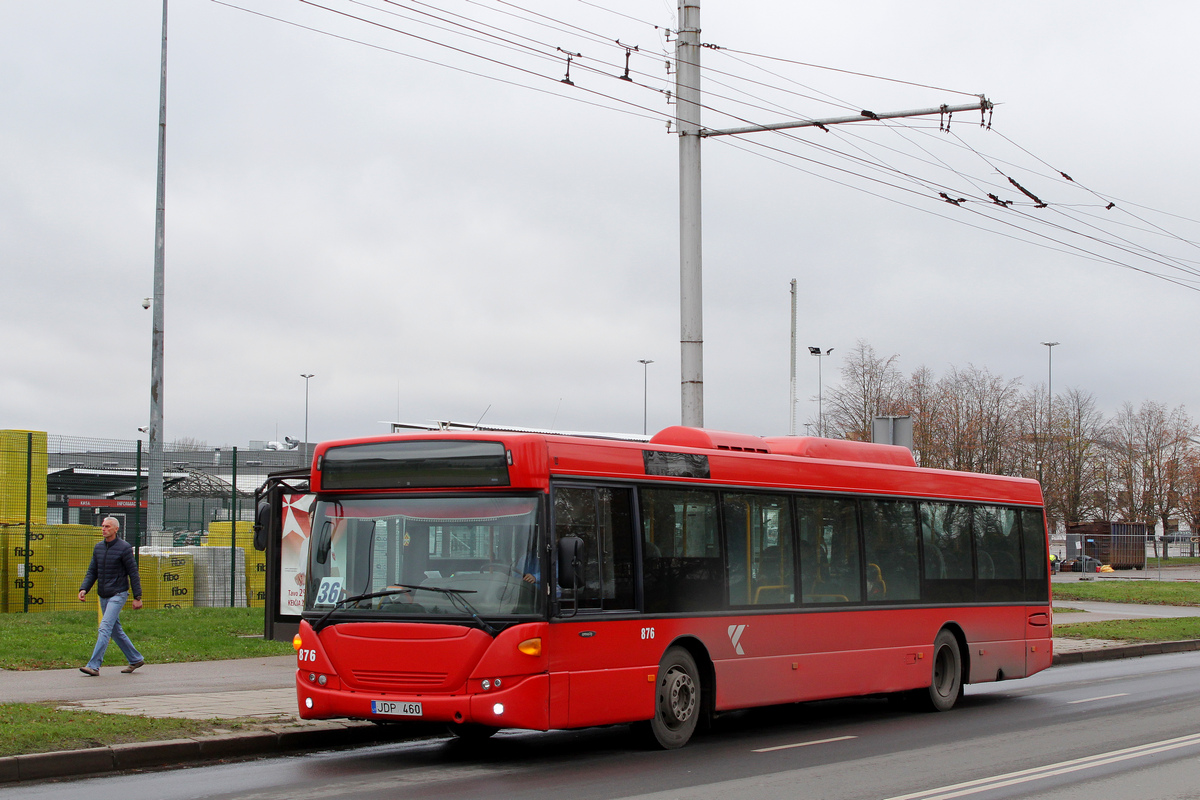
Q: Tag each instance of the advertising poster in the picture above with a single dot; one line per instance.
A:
(293, 551)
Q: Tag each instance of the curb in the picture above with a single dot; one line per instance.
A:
(1126, 651)
(178, 752)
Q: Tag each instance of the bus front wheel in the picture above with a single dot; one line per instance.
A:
(946, 686)
(677, 705)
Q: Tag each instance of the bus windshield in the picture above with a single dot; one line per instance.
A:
(434, 552)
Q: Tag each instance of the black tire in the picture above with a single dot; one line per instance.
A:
(677, 701)
(471, 731)
(946, 685)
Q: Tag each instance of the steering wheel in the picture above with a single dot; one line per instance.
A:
(499, 566)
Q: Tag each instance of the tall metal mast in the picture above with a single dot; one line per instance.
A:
(154, 502)
(792, 396)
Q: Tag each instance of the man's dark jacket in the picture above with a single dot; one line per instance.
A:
(112, 570)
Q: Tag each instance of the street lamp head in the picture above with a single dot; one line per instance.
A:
(645, 361)
(306, 375)
(1050, 344)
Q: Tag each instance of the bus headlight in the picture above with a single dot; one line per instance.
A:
(498, 709)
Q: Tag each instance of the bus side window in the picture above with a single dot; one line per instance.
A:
(949, 566)
(758, 543)
(1033, 535)
(601, 517)
(997, 553)
(682, 567)
(890, 528)
(830, 566)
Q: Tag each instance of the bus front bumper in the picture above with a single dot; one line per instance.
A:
(523, 704)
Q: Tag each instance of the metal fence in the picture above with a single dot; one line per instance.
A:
(56, 490)
(1128, 546)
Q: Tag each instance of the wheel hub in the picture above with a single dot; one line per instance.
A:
(681, 695)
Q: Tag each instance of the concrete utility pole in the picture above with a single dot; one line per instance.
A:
(687, 110)
(687, 118)
(154, 501)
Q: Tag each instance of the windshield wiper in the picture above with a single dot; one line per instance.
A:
(355, 598)
(455, 595)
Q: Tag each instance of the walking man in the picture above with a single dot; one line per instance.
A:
(112, 570)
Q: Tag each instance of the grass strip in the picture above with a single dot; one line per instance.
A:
(1133, 630)
(43, 728)
(61, 639)
(1166, 593)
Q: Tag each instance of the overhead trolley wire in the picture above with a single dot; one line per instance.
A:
(846, 71)
(641, 111)
(725, 105)
(1063, 246)
(1055, 208)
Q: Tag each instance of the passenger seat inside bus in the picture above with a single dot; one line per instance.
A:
(876, 585)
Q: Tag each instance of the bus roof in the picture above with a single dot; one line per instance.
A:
(717, 457)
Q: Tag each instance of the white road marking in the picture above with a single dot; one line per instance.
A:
(804, 744)
(1102, 697)
(1050, 770)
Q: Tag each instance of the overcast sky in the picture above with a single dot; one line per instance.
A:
(436, 235)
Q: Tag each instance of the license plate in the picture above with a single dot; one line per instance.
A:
(389, 709)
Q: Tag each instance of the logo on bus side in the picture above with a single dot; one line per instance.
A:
(735, 637)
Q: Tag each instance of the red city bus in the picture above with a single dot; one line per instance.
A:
(515, 580)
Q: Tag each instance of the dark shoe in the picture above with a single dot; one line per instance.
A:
(132, 667)
(89, 671)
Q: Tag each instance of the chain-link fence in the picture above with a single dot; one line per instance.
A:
(56, 490)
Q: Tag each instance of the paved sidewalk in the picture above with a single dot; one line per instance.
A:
(263, 688)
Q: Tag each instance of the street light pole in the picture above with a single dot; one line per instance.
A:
(1050, 394)
(816, 351)
(645, 362)
(306, 376)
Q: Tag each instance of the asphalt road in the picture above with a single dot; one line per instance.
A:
(1122, 729)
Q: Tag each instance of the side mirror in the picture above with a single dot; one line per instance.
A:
(262, 524)
(570, 561)
(324, 541)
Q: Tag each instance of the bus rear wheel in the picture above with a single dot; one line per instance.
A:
(677, 702)
(946, 686)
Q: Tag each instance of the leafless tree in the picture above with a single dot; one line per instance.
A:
(1189, 494)
(975, 422)
(871, 386)
(1076, 456)
(1141, 466)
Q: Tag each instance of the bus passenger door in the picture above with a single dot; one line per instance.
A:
(591, 646)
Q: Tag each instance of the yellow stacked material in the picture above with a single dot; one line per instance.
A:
(167, 580)
(4, 580)
(58, 558)
(220, 535)
(14, 457)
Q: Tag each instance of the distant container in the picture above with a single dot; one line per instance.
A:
(1121, 545)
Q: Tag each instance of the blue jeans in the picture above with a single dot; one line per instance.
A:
(110, 628)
